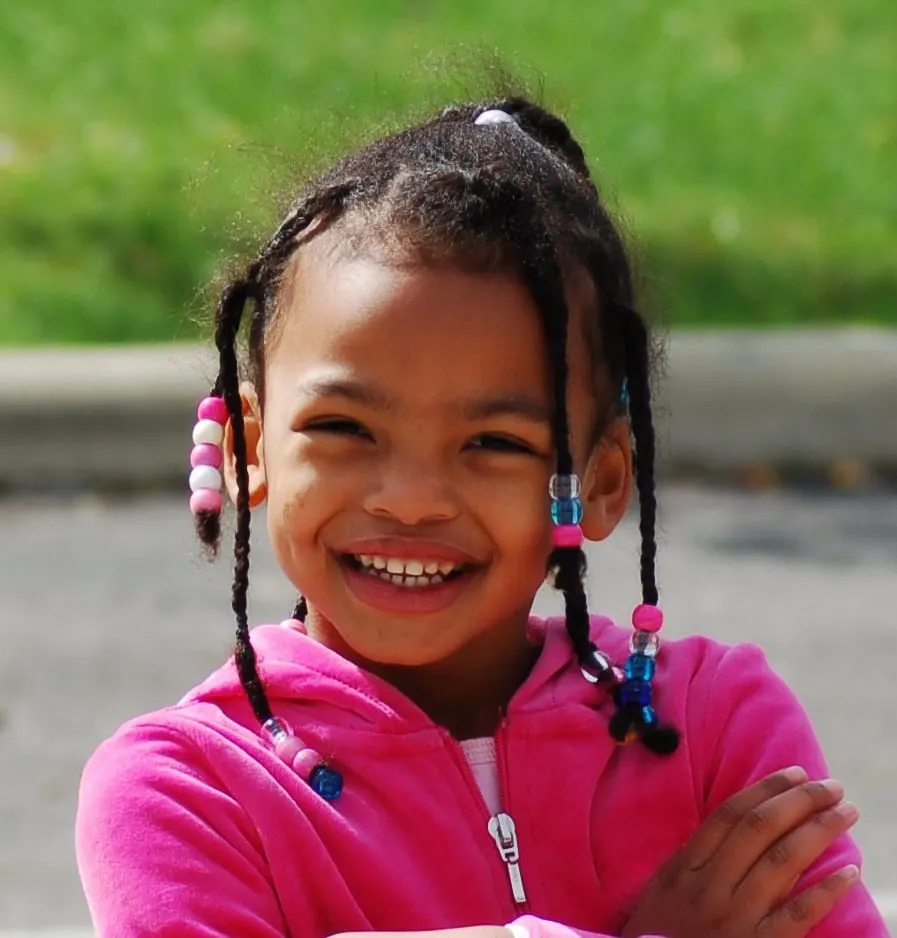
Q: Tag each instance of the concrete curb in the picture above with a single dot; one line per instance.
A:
(729, 401)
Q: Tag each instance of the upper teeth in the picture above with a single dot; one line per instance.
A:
(406, 567)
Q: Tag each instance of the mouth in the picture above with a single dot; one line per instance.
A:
(406, 573)
(408, 585)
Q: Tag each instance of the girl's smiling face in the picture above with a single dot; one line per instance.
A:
(407, 419)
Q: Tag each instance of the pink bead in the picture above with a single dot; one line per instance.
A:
(206, 454)
(567, 535)
(306, 761)
(206, 500)
(288, 748)
(647, 618)
(212, 408)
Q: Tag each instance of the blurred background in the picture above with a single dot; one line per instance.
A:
(752, 145)
(750, 148)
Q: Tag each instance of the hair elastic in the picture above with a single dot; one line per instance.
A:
(495, 116)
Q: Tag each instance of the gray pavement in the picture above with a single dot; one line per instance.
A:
(106, 611)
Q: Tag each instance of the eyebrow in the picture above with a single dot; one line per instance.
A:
(350, 390)
(506, 405)
(472, 409)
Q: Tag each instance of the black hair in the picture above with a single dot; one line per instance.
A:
(514, 197)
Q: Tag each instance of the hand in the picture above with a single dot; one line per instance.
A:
(734, 877)
(479, 931)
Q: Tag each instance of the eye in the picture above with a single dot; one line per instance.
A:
(339, 426)
(495, 443)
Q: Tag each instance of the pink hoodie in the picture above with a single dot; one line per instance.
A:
(189, 825)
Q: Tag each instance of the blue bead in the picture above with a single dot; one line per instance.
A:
(640, 667)
(636, 692)
(326, 782)
(566, 511)
(649, 715)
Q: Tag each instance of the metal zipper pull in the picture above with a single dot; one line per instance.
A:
(504, 832)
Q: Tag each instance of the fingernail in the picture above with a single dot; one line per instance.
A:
(849, 873)
(848, 810)
(834, 787)
(795, 774)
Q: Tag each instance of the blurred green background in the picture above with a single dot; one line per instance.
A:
(751, 145)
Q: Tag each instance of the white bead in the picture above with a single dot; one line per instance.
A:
(205, 477)
(494, 117)
(207, 431)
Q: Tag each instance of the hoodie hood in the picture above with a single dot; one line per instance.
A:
(296, 668)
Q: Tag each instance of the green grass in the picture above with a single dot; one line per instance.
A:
(750, 144)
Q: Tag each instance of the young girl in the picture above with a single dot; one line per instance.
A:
(446, 390)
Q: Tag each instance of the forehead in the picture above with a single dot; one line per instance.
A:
(424, 329)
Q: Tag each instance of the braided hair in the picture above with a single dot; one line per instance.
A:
(515, 198)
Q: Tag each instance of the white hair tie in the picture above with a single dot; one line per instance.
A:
(495, 117)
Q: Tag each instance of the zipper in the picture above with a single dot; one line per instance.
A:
(501, 827)
(504, 833)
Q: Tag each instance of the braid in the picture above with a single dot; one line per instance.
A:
(658, 737)
(227, 325)
(636, 350)
(263, 271)
(542, 275)
(233, 301)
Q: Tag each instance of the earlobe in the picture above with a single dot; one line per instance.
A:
(255, 458)
(607, 482)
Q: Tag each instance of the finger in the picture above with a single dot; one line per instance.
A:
(799, 915)
(764, 824)
(719, 825)
(775, 874)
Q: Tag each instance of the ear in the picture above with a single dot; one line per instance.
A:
(255, 451)
(607, 482)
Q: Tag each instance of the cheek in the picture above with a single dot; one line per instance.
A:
(518, 513)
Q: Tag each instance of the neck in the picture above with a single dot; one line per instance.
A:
(467, 692)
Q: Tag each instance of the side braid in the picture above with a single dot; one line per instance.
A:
(233, 301)
(228, 320)
(228, 315)
(542, 275)
(636, 352)
(657, 737)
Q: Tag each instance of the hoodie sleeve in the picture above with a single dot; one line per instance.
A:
(743, 723)
(162, 851)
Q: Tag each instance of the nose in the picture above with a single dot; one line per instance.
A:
(412, 492)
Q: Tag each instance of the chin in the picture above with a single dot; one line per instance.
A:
(404, 654)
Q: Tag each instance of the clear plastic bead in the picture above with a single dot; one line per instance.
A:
(567, 486)
(276, 730)
(599, 669)
(644, 643)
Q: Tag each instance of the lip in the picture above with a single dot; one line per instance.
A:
(403, 600)
(409, 548)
